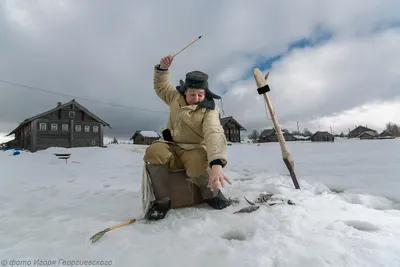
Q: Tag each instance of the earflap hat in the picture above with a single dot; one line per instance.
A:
(198, 80)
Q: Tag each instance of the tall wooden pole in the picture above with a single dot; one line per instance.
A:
(263, 88)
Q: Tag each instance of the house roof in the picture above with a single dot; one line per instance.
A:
(322, 133)
(384, 132)
(372, 133)
(231, 119)
(269, 132)
(363, 128)
(55, 109)
(148, 134)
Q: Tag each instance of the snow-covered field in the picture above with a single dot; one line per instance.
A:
(49, 209)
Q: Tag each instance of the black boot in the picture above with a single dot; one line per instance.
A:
(159, 210)
(214, 199)
(219, 202)
(159, 178)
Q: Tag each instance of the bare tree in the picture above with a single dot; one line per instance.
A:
(254, 135)
(307, 132)
(392, 128)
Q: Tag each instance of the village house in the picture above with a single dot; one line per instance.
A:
(269, 135)
(368, 135)
(322, 136)
(386, 135)
(232, 129)
(66, 125)
(356, 132)
(145, 137)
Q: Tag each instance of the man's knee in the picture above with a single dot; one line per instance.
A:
(197, 164)
(157, 153)
(196, 171)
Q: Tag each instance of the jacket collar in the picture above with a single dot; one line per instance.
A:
(182, 101)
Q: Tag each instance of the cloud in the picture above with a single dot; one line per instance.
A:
(322, 80)
(106, 51)
(369, 114)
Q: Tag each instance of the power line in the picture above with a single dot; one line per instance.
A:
(84, 98)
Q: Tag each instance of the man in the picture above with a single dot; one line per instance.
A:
(193, 140)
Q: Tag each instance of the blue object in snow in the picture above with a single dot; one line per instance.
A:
(16, 153)
(10, 148)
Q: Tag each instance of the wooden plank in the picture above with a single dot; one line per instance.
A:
(101, 133)
(71, 133)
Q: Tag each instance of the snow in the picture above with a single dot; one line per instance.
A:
(150, 134)
(50, 209)
(300, 137)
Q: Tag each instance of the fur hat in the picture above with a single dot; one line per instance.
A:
(198, 80)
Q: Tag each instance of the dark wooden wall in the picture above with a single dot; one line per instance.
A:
(61, 130)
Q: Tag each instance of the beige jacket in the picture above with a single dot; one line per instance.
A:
(191, 127)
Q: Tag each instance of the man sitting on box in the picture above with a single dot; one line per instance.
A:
(193, 140)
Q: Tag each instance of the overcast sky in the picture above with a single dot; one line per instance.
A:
(333, 63)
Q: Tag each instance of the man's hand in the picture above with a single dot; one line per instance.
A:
(217, 178)
(166, 62)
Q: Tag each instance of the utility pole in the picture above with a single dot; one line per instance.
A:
(298, 130)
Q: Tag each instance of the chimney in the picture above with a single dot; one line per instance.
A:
(58, 104)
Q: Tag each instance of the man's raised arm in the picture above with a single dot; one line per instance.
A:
(163, 87)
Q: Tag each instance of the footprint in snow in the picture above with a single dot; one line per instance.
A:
(237, 234)
(244, 179)
(362, 225)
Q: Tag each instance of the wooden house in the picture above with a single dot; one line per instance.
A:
(269, 135)
(386, 135)
(145, 137)
(232, 129)
(66, 125)
(322, 136)
(369, 135)
(356, 132)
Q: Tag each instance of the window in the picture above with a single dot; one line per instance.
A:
(72, 114)
(77, 128)
(42, 126)
(65, 127)
(54, 127)
(95, 129)
(87, 128)
(93, 142)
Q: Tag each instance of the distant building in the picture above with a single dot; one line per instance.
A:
(269, 135)
(145, 137)
(322, 136)
(386, 135)
(232, 129)
(369, 135)
(356, 132)
(67, 125)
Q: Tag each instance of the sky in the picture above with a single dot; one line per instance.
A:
(332, 64)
